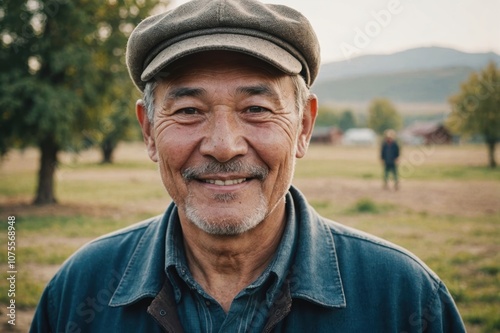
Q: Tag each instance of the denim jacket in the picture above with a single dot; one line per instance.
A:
(342, 280)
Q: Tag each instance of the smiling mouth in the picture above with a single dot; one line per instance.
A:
(228, 182)
(225, 174)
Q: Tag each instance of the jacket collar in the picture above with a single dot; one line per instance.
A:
(145, 273)
(314, 275)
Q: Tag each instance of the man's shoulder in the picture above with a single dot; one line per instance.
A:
(356, 245)
(122, 266)
(353, 249)
(111, 251)
(125, 236)
(355, 271)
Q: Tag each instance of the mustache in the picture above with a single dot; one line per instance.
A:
(237, 166)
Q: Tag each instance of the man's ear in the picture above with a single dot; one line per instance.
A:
(147, 130)
(308, 119)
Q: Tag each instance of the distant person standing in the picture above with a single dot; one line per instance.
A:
(389, 155)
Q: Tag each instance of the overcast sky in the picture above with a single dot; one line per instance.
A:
(347, 28)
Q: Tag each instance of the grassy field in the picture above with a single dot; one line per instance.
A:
(447, 211)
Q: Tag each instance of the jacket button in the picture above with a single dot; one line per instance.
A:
(163, 312)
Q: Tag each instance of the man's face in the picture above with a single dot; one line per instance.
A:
(226, 135)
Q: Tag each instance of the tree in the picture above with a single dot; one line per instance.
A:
(114, 120)
(327, 116)
(347, 120)
(60, 59)
(119, 124)
(382, 115)
(117, 127)
(476, 108)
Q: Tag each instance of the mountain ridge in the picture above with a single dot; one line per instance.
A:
(422, 75)
(408, 60)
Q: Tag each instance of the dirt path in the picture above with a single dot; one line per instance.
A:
(470, 198)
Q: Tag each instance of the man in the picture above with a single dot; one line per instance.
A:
(389, 155)
(226, 112)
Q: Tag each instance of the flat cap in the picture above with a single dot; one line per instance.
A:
(276, 34)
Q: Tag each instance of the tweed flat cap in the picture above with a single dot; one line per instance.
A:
(277, 34)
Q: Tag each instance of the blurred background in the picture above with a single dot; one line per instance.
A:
(73, 165)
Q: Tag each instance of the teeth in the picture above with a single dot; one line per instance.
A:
(225, 182)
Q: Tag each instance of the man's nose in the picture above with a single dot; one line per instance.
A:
(224, 138)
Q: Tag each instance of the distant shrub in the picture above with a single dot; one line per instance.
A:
(365, 205)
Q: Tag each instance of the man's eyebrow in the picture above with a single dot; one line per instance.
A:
(184, 92)
(260, 89)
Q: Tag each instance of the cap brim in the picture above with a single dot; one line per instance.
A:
(253, 46)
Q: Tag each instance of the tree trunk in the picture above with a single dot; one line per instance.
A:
(491, 153)
(48, 165)
(107, 149)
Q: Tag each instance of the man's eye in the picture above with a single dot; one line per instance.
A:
(256, 109)
(187, 111)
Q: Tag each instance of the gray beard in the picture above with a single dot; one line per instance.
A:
(229, 226)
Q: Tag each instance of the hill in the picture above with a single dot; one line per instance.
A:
(424, 58)
(418, 76)
(425, 86)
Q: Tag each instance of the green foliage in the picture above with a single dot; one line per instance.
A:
(368, 206)
(327, 116)
(43, 72)
(347, 120)
(476, 108)
(330, 117)
(365, 206)
(63, 75)
(62, 68)
(382, 115)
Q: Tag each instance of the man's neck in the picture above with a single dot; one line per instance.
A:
(225, 265)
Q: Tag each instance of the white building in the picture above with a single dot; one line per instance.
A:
(360, 136)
